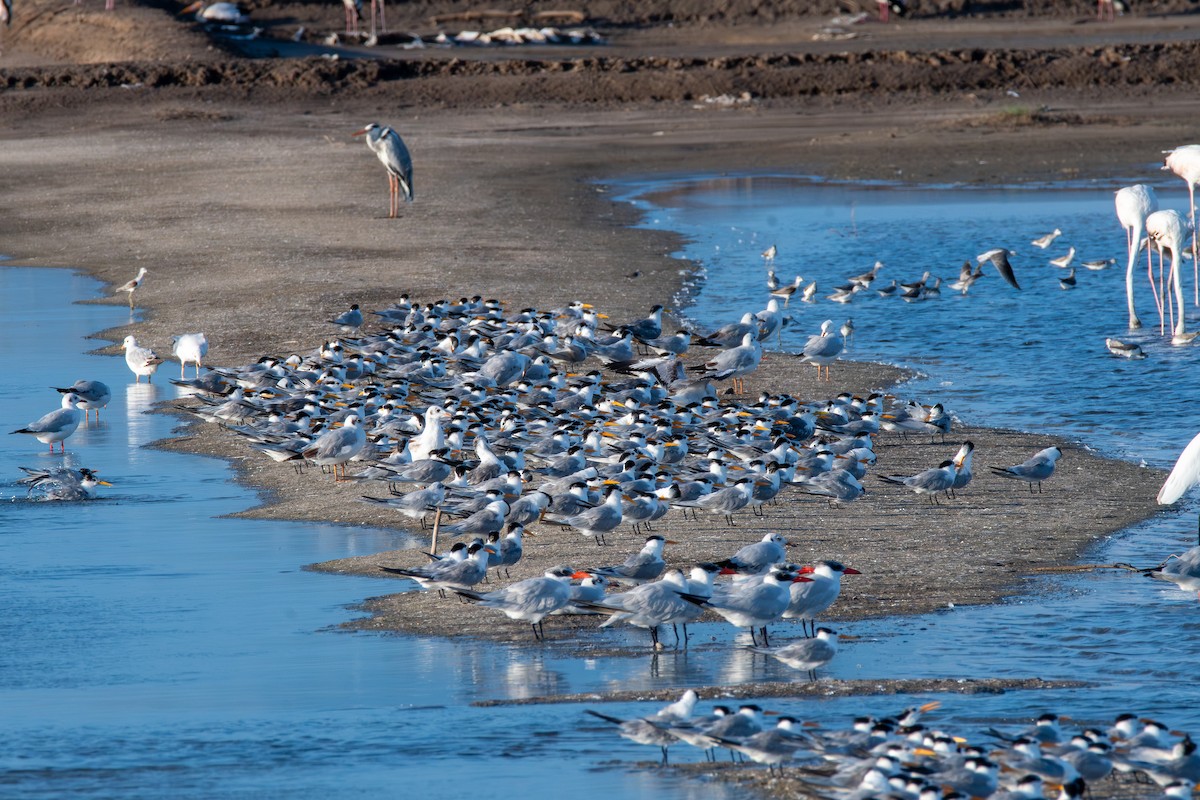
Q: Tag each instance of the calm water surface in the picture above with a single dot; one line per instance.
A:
(152, 648)
(1033, 359)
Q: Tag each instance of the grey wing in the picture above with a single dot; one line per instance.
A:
(395, 156)
(54, 421)
(332, 443)
(538, 595)
(657, 602)
(927, 479)
(821, 346)
(999, 259)
(731, 361)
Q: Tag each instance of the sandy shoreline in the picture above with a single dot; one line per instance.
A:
(259, 218)
(507, 207)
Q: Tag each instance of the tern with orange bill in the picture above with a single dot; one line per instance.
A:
(531, 600)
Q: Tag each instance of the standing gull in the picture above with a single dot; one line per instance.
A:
(648, 329)
(141, 360)
(962, 467)
(57, 425)
(91, 394)
(811, 599)
(824, 348)
(337, 446)
(393, 154)
(806, 655)
(735, 363)
(928, 482)
(757, 558)
(596, 521)
(644, 565)
(189, 347)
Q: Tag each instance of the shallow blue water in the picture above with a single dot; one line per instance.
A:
(1032, 360)
(152, 649)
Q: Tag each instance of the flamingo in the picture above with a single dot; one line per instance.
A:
(1184, 475)
(1168, 229)
(1184, 161)
(353, 14)
(1134, 204)
(377, 12)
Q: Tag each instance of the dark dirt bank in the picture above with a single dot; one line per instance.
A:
(458, 82)
(136, 138)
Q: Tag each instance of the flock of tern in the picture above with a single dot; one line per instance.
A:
(901, 757)
(492, 421)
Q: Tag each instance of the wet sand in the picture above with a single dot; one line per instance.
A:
(259, 218)
(259, 223)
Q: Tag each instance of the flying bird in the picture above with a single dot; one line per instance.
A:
(999, 259)
(393, 154)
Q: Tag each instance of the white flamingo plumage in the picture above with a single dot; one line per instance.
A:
(1184, 161)
(1168, 230)
(1134, 204)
